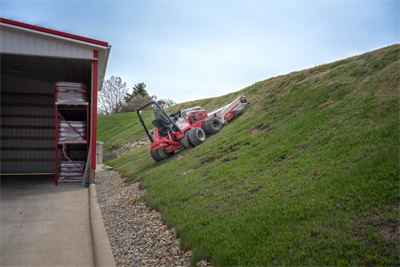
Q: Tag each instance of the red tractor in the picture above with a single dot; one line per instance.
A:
(188, 127)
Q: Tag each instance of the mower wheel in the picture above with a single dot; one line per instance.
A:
(196, 136)
(185, 142)
(155, 155)
(212, 125)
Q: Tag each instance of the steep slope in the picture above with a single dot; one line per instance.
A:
(116, 130)
(308, 174)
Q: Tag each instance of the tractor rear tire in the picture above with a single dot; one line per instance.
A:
(185, 142)
(197, 136)
(213, 125)
(203, 127)
(155, 155)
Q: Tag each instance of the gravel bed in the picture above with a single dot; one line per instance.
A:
(137, 235)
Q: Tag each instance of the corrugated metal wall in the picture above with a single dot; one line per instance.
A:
(15, 41)
(27, 125)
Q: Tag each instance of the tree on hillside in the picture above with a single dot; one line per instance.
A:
(140, 97)
(138, 89)
(137, 98)
(136, 102)
(111, 97)
(114, 97)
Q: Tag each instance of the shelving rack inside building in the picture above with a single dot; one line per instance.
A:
(71, 131)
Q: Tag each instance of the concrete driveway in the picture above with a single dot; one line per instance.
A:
(44, 225)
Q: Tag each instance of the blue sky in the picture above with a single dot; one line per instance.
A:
(186, 50)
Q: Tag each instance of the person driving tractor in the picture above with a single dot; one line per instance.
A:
(159, 115)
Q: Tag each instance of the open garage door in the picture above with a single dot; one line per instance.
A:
(33, 60)
(28, 110)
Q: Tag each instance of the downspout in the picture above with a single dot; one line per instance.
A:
(95, 66)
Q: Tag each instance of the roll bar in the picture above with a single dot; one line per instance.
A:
(158, 106)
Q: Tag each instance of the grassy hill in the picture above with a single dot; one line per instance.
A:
(116, 130)
(307, 175)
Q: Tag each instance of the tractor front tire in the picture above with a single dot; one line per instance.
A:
(185, 142)
(164, 154)
(155, 155)
(197, 136)
(213, 125)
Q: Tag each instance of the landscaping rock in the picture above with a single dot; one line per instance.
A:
(203, 263)
(137, 235)
(128, 147)
(109, 154)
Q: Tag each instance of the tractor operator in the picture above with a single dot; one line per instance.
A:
(159, 115)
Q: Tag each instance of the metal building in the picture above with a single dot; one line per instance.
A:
(33, 59)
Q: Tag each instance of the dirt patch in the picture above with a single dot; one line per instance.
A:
(328, 104)
(208, 160)
(391, 232)
(186, 172)
(302, 148)
(315, 233)
(241, 182)
(179, 157)
(108, 155)
(230, 149)
(142, 186)
(230, 159)
(278, 163)
(256, 189)
(388, 229)
(318, 69)
(261, 128)
(140, 179)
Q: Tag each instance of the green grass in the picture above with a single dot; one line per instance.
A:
(317, 184)
(118, 129)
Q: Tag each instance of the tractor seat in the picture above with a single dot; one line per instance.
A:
(161, 126)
